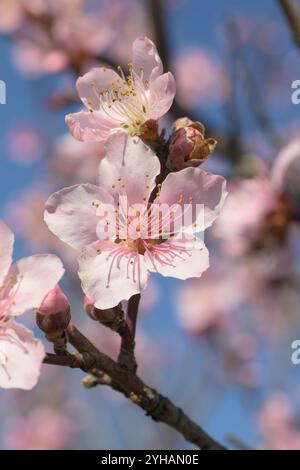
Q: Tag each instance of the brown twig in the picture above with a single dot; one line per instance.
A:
(68, 360)
(292, 15)
(157, 406)
(127, 357)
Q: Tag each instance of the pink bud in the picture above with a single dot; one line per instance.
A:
(54, 302)
(53, 316)
(188, 146)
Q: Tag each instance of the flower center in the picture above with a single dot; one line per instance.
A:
(126, 100)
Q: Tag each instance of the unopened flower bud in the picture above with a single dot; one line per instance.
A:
(188, 146)
(54, 315)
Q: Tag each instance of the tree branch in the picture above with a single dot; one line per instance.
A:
(292, 15)
(127, 357)
(157, 406)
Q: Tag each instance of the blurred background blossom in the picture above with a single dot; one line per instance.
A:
(219, 346)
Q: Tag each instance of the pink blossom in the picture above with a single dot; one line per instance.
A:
(277, 425)
(249, 201)
(200, 77)
(44, 428)
(115, 101)
(113, 269)
(21, 356)
(24, 145)
(83, 33)
(11, 15)
(36, 56)
(23, 287)
(200, 303)
(261, 209)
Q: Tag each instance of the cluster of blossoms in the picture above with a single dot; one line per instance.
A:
(119, 239)
(144, 215)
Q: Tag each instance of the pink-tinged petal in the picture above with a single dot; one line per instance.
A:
(113, 275)
(129, 168)
(92, 83)
(30, 279)
(286, 164)
(21, 356)
(195, 187)
(145, 55)
(71, 214)
(6, 249)
(90, 126)
(162, 93)
(179, 257)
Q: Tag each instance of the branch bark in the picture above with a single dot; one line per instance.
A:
(127, 356)
(159, 407)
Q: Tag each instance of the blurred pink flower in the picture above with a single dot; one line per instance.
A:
(200, 78)
(44, 428)
(116, 102)
(25, 145)
(248, 202)
(23, 287)
(200, 303)
(35, 56)
(262, 209)
(83, 33)
(276, 424)
(11, 15)
(112, 270)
